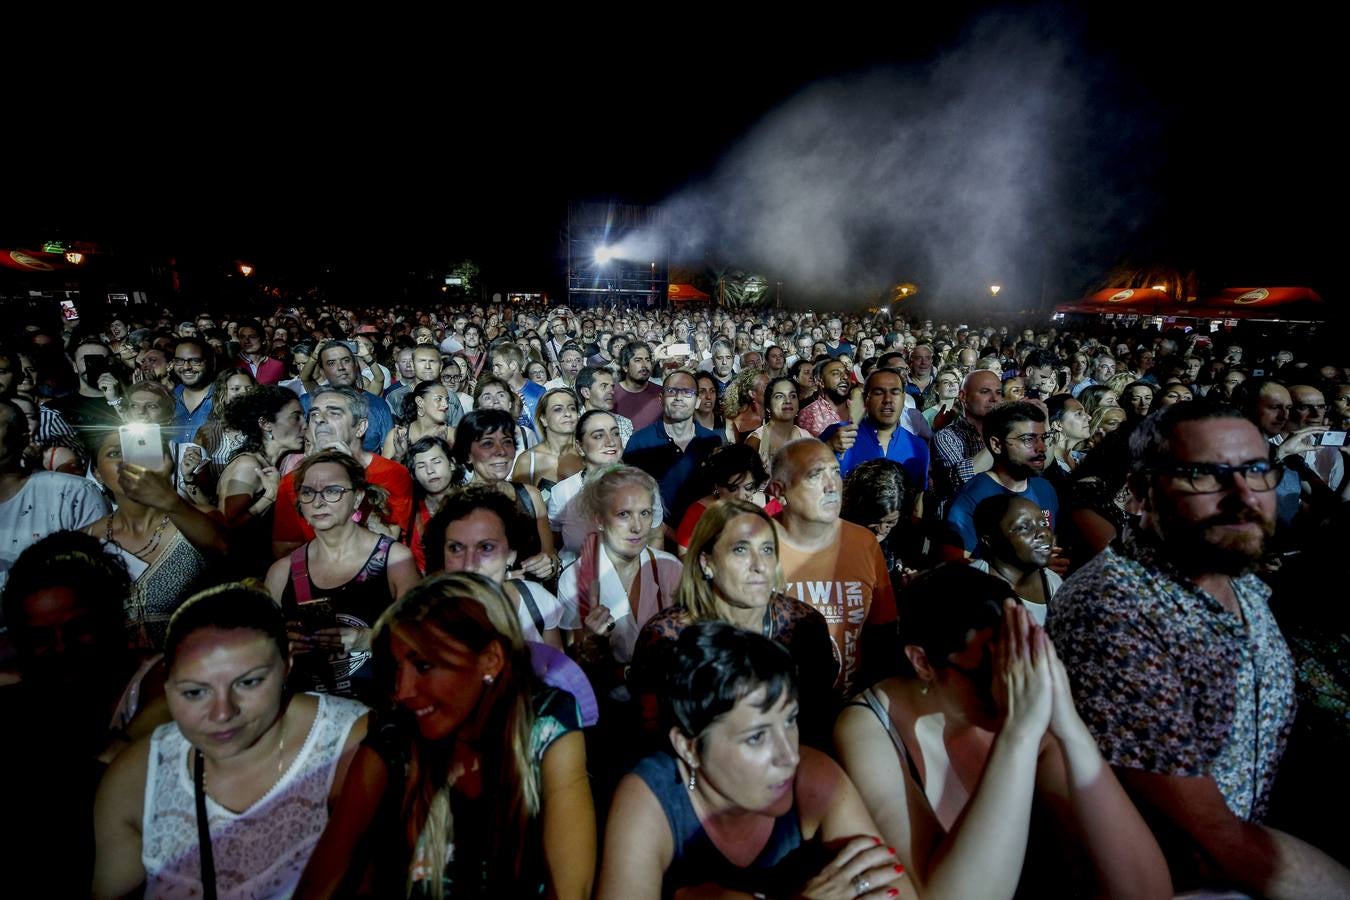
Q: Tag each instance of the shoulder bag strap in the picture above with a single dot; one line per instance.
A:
(208, 859)
(300, 574)
(524, 590)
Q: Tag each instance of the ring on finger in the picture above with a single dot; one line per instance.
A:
(860, 885)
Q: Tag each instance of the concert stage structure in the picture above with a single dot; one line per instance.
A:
(616, 254)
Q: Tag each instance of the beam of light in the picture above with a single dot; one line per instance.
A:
(603, 254)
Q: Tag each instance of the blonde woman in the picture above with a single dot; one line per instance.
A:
(476, 785)
(554, 457)
(731, 575)
(742, 404)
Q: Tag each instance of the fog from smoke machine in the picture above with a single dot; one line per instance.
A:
(985, 164)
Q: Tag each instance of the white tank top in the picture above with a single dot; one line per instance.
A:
(260, 852)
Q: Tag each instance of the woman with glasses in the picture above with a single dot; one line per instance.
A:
(334, 587)
(731, 471)
(455, 376)
(780, 402)
(950, 755)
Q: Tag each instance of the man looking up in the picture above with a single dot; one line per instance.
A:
(339, 368)
(570, 361)
(595, 386)
(820, 417)
(879, 433)
(1015, 436)
(671, 448)
(338, 418)
(834, 565)
(508, 365)
(959, 447)
(635, 396)
(1178, 667)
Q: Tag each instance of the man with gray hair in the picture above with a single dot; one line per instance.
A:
(338, 366)
(338, 418)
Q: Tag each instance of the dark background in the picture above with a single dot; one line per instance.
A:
(374, 148)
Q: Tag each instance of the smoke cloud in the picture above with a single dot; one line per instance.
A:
(983, 165)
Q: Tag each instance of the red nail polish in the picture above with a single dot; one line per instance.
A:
(876, 840)
(892, 892)
(900, 870)
(890, 850)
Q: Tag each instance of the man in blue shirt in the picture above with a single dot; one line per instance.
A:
(339, 367)
(508, 364)
(671, 448)
(1015, 436)
(879, 433)
(192, 363)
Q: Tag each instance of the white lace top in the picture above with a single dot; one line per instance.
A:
(260, 852)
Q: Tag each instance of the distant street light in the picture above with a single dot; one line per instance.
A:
(245, 269)
(74, 258)
(995, 288)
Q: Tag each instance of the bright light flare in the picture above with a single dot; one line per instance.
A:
(603, 254)
(995, 288)
(74, 258)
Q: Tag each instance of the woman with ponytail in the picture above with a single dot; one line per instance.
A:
(474, 784)
(423, 416)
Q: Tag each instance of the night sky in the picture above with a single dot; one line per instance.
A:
(1198, 144)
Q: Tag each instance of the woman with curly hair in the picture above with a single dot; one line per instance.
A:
(742, 404)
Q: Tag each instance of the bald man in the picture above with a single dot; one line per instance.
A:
(959, 449)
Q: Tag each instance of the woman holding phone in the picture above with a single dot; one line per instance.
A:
(164, 540)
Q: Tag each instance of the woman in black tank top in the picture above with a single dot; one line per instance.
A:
(333, 588)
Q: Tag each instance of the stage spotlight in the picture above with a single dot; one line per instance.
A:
(604, 254)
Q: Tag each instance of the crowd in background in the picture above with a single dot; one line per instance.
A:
(502, 600)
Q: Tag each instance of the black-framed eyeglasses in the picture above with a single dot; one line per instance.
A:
(1210, 478)
(1029, 439)
(195, 362)
(331, 493)
(687, 393)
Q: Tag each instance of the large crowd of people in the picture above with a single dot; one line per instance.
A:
(521, 601)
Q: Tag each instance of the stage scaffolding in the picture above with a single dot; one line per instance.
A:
(635, 231)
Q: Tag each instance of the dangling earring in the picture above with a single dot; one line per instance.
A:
(923, 686)
(693, 782)
(707, 576)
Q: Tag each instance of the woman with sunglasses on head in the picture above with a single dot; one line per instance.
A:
(732, 805)
(950, 755)
(554, 457)
(230, 798)
(334, 587)
(474, 784)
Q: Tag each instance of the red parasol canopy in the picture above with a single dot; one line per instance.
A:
(1138, 301)
(1293, 303)
(684, 293)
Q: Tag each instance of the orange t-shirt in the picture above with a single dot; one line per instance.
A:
(850, 586)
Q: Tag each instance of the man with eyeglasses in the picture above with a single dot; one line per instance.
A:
(338, 418)
(1177, 665)
(671, 448)
(194, 365)
(1014, 434)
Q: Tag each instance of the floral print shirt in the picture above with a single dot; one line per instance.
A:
(1169, 681)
